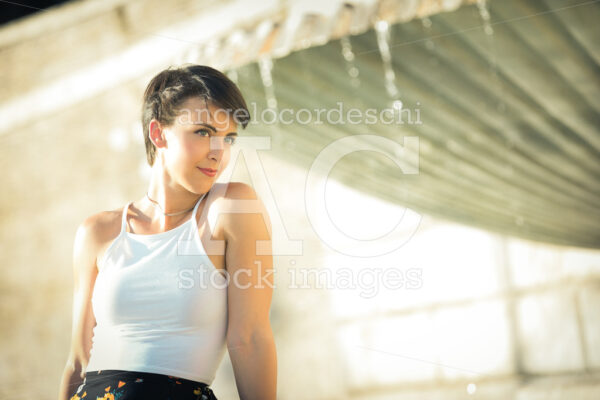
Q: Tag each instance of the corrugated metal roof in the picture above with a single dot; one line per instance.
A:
(291, 28)
(508, 97)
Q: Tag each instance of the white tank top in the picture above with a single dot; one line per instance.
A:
(160, 305)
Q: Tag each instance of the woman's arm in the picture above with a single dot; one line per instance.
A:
(250, 339)
(84, 272)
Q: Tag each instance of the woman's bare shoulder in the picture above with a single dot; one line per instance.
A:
(234, 190)
(241, 190)
(101, 227)
(223, 195)
(251, 210)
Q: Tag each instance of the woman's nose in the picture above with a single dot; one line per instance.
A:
(217, 145)
(217, 142)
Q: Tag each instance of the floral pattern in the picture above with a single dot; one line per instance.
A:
(126, 385)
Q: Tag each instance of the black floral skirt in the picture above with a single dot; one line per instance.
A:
(112, 384)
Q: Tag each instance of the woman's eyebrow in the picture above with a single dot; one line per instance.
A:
(213, 128)
(207, 125)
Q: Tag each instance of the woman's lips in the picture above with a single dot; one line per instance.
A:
(209, 172)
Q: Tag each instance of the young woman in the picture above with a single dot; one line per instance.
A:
(164, 285)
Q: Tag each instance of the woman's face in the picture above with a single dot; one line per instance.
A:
(198, 144)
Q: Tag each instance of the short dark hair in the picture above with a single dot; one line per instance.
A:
(174, 85)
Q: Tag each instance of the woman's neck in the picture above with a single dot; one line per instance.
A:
(166, 199)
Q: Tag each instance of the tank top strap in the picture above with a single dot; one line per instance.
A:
(196, 208)
(124, 218)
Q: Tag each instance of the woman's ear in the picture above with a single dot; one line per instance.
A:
(155, 131)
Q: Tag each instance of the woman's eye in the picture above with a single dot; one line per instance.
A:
(228, 139)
